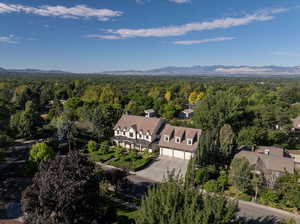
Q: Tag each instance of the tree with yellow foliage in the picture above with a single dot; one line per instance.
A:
(168, 96)
(195, 97)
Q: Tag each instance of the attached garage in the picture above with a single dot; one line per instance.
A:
(188, 155)
(178, 154)
(166, 152)
(175, 153)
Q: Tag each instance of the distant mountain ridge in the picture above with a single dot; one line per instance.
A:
(29, 70)
(216, 70)
(211, 70)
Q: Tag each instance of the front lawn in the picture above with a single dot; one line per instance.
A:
(131, 164)
(132, 160)
(100, 157)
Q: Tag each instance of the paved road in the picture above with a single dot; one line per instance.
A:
(252, 212)
(263, 214)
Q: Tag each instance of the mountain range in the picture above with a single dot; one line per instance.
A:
(29, 70)
(213, 70)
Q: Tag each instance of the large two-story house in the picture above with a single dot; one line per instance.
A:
(150, 133)
(136, 132)
(179, 142)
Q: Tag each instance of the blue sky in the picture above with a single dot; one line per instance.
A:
(99, 35)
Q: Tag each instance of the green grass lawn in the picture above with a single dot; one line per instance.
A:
(99, 157)
(124, 215)
(127, 163)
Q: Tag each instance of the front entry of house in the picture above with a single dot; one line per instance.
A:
(175, 153)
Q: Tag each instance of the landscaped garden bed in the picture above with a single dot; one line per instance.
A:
(132, 159)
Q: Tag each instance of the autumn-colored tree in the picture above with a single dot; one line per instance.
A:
(195, 97)
(168, 96)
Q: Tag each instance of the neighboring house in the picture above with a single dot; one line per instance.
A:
(187, 113)
(179, 142)
(296, 125)
(150, 113)
(271, 162)
(295, 154)
(137, 132)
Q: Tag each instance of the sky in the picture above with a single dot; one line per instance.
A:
(102, 35)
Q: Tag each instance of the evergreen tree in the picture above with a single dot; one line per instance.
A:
(178, 203)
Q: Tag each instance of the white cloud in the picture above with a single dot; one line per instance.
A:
(8, 39)
(223, 23)
(180, 1)
(78, 11)
(106, 37)
(190, 42)
(243, 70)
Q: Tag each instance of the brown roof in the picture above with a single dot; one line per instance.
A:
(184, 133)
(250, 156)
(275, 161)
(281, 164)
(295, 152)
(296, 122)
(273, 151)
(139, 123)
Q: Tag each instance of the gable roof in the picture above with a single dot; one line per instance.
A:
(139, 123)
(188, 111)
(182, 132)
(275, 161)
(149, 111)
(281, 164)
(273, 151)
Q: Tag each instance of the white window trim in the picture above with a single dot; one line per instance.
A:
(176, 140)
(190, 141)
(166, 138)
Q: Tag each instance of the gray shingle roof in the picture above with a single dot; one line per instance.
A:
(275, 161)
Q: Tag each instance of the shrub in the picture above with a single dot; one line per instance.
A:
(91, 146)
(104, 147)
(212, 186)
(269, 196)
(39, 152)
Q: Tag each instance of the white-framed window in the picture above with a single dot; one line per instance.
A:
(177, 139)
(130, 134)
(167, 138)
(189, 141)
(124, 133)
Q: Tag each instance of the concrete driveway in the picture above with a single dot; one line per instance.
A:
(158, 169)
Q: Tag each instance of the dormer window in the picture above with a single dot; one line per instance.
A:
(177, 140)
(131, 134)
(167, 138)
(124, 133)
(190, 142)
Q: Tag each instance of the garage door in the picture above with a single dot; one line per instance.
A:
(166, 152)
(188, 155)
(179, 154)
